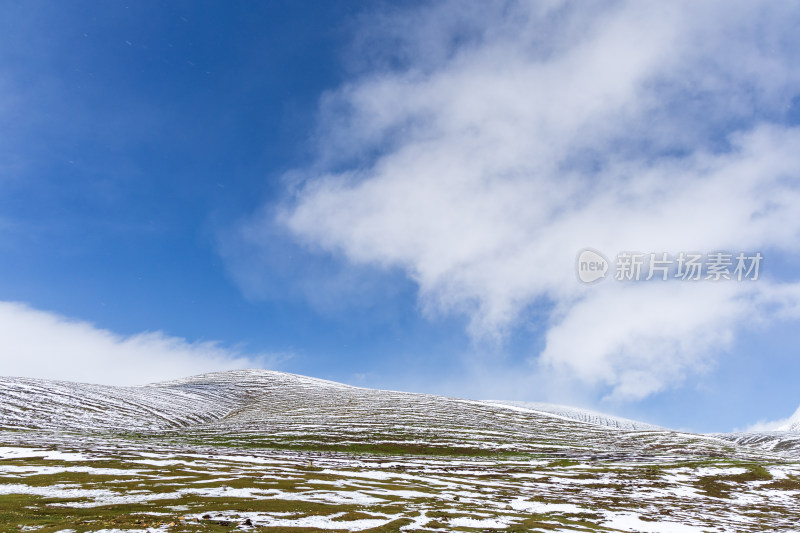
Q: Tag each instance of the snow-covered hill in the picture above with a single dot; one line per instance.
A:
(40, 404)
(285, 409)
(780, 437)
(43, 404)
(259, 448)
(786, 442)
(792, 424)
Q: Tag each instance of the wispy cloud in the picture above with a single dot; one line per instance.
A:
(40, 344)
(480, 154)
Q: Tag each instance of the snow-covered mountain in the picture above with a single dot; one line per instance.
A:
(792, 424)
(277, 403)
(286, 406)
(780, 437)
(255, 448)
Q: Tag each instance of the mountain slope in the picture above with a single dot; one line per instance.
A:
(250, 449)
(793, 424)
(784, 438)
(39, 404)
(276, 409)
(582, 415)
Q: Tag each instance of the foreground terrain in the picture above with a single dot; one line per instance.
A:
(267, 451)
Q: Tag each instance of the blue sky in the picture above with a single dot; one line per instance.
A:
(393, 195)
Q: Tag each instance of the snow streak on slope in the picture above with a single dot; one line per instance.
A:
(582, 415)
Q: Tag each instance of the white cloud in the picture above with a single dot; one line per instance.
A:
(640, 339)
(510, 138)
(40, 344)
